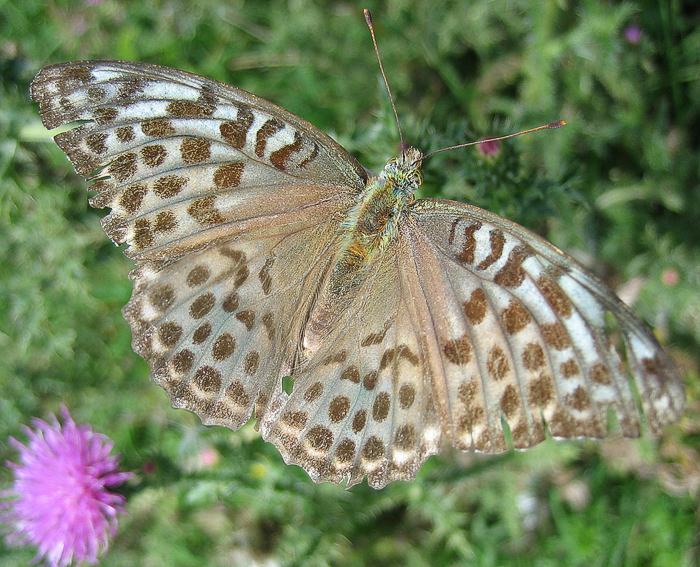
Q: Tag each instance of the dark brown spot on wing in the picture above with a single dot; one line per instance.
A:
(230, 303)
(169, 186)
(247, 317)
(154, 155)
(188, 109)
(459, 350)
(369, 382)
(497, 363)
(557, 299)
(169, 333)
(269, 128)
(182, 361)
(224, 346)
(497, 241)
(407, 394)
(143, 235)
(475, 308)
(105, 115)
(513, 274)
(264, 276)
(125, 134)
(541, 390)
(208, 379)
(351, 373)
(162, 297)
(195, 150)
(197, 276)
(295, 419)
(267, 320)
(97, 142)
(336, 358)
(466, 256)
(533, 356)
(203, 211)
(202, 305)
(510, 401)
(515, 317)
(569, 368)
(380, 408)
(201, 333)
(405, 437)
(345, 452)
(132, 197)
(228, 175)
(165, 221)
(157, 127)
(579, 400)
(251, 362)
(279, 158)
(237, 394)
(359, 420)
(373, 449)
(338, 408)
(600, 374)
(236, 131)
(320, 438)
(555, 335)
(313, 392)
(123, 167)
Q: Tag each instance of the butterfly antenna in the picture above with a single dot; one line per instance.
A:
(370, 25)
(549, 126)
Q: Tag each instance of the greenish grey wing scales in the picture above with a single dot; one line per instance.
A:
(524, 335)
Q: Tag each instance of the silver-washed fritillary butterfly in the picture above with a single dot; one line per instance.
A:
(264, 250)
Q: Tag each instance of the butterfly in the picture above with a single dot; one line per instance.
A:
(361, 326)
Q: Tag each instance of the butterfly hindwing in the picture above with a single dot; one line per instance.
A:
(362, 405)
(216, 324)
(525, 335)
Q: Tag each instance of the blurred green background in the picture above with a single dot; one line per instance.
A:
(618, 188)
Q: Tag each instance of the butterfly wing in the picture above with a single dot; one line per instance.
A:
(229, 206)
(362, 405)
(526, 335)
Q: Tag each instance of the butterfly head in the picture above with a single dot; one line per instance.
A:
(403, 172)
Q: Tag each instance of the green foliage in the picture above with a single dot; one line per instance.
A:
(618, 188)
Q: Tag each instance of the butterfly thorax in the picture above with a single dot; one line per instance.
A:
(373, 223)
(370, 227)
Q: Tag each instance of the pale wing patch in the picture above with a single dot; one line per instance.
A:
(362, 405)
(180, 159)
(524, 336)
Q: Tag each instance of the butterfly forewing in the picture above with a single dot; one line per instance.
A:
(229, 205)
(523, 335)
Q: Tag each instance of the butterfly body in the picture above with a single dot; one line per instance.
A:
(263, 249)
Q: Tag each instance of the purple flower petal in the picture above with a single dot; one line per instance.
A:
(60, 500)
(633, 34)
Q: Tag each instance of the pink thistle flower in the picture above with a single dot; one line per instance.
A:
(670, 277)
(489, 148)
(633, 34)
(60, 501)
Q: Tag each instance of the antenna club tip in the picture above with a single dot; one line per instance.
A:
(557, 124)
(368, 16)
